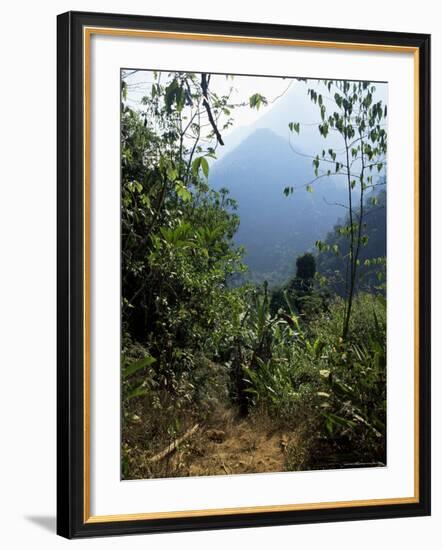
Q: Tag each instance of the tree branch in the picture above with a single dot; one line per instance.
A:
(205, 89)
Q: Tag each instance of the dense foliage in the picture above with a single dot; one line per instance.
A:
(195, 344)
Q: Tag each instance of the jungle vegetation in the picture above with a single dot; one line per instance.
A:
(211, 358)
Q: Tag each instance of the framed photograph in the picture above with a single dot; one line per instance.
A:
(243, 274)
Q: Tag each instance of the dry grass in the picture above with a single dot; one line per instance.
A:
(225, 445)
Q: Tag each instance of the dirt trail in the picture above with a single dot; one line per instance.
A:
(233, 447)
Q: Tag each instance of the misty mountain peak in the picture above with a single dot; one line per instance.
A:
(275, 228)
(264, 147)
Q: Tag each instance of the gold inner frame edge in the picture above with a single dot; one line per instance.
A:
(87, 33)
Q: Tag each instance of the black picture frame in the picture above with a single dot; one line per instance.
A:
(71, 519)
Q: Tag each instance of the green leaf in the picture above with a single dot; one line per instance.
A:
(323, 129)
(124, 90)
(338, 100)
(172, 173)
(183, 193)
(171, 94)
(315, 163)
(257, 100)
(205, 166)
(309, 188)
(319, 245)
(200, 162)
(138, 365)
(137, 392)
(196, 165)
(294, 127)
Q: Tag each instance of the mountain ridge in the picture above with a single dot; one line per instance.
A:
(275, 228)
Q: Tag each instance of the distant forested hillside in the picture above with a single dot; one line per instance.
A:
(275, 229)
(372, 256)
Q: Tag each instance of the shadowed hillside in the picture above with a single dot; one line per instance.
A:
(274, 228)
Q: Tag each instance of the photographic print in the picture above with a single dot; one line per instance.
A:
(253, 273)
(239, 206)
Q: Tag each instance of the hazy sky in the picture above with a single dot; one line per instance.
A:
(288, 102)
(243, 87)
